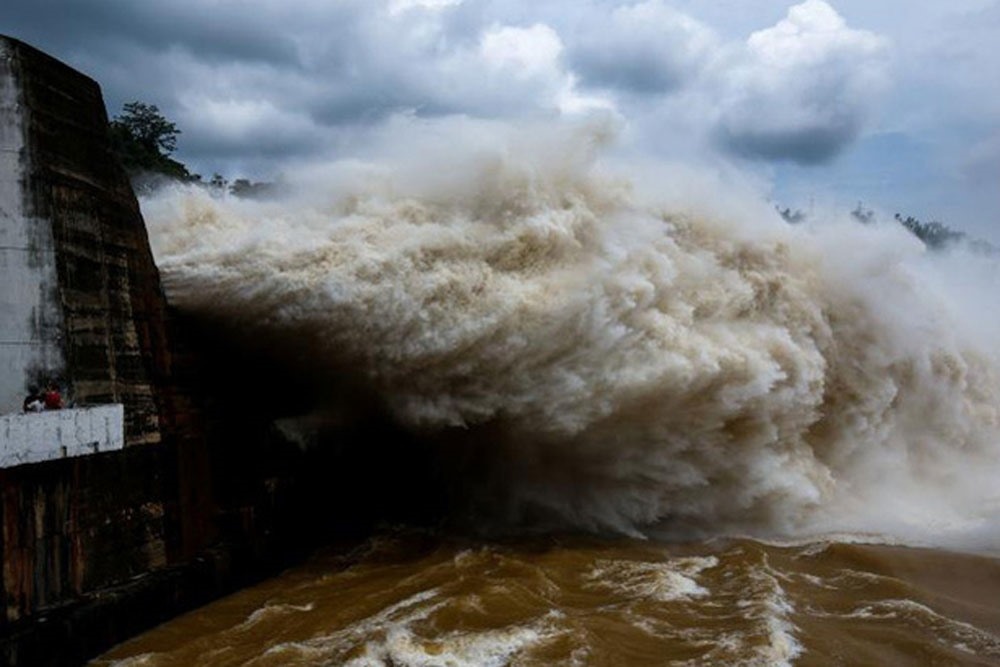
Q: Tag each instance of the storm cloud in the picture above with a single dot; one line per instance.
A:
(773, 87)
(646, 48)
(260, 82)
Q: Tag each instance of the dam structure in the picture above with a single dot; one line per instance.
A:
(129, 505)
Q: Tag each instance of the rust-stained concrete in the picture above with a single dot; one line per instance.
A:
(112, 311)
(205, 495)
(98, 547)
(70, 527)
(31, 326)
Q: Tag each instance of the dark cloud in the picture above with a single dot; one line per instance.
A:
(213, 31)
(642, 48)
(806, 145)
(636, 72)
(260, 80)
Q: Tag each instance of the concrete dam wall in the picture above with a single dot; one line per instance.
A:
(81, 295)
(180, 507)
(31, 328)
(55, 434)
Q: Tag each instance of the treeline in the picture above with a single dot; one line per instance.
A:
(144, 140)
(935, 235)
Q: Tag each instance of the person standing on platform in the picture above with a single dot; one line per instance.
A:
(52, 398)
(34, 402)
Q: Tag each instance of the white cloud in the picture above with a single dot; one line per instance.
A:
(524, 52)
(810, 31)
(802, 89)
(397, 7)
(535, 54)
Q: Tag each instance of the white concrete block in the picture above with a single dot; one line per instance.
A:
(42, 436)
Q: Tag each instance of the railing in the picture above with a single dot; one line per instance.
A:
(42, 436)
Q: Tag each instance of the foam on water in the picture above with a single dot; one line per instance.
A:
(666, 582)
(947, 631)
(389, 622)
(267, 612)
(491, 648)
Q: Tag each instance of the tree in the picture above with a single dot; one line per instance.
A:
(143, 140)
(218, 182)
(863, 215)
(247, 189)
(790, 216)
(144, 123)
(934, 234)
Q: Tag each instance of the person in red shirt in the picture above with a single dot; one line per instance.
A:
(52, 398)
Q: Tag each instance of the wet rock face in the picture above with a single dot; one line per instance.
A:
(95, 316)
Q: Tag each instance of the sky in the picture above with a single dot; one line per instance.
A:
(891, 103)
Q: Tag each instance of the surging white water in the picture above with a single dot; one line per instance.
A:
(636, 362)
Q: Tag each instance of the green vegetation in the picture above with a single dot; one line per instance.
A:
(143, 139)
(247, 189)
(935, 235)
(863, 215)
(790, 216)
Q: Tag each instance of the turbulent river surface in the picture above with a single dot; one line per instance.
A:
(409, 599)
(600, 346)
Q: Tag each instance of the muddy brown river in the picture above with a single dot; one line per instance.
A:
(412, 599)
